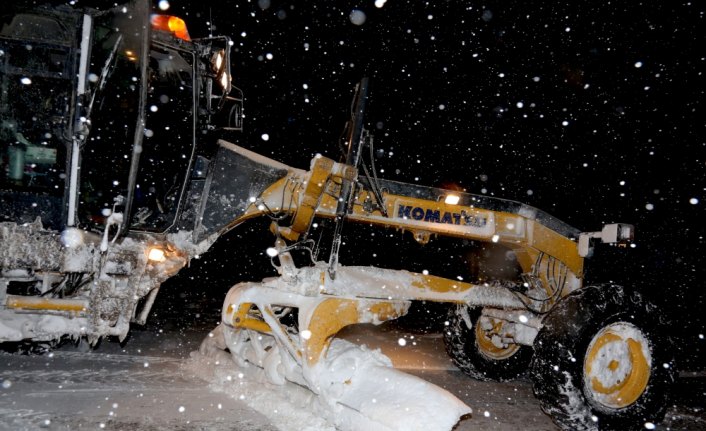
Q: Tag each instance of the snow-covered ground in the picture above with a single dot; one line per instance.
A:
(155, 382)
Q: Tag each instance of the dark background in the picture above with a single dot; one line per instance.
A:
(591, 111)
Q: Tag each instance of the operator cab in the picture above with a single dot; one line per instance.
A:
(98, 116)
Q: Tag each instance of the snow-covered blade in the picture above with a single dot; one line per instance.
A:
(371, 395)
(359, 388)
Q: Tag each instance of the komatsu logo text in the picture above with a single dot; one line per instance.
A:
(436, 216)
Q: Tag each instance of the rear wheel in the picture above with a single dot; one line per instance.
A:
(601, 363)
(472, 343)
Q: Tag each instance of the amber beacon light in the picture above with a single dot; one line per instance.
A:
(172, 24)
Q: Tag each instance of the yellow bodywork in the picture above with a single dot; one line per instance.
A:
(334, 314)
(324, 318)
(71, 306)
(301, 196)
(316, 193)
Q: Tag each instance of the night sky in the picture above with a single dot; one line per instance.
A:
(592, 112)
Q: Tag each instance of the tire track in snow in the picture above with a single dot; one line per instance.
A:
(105, 369)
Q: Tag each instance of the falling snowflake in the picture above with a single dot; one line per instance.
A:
(357, 17)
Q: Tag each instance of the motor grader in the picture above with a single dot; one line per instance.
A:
(112, 181)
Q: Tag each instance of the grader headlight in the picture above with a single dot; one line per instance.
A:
(224, 81)
(217, 60)
(156, 254)
(220, 69)
(615, 233)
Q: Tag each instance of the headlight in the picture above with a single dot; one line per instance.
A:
(217, 61)
(156, 254)
(220, 69)
(224, 81)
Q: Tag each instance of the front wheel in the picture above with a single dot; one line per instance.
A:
(471, 342)
(600, 362)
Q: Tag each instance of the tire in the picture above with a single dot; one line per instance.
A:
(601, 363)
(31, 348)
(473, 353)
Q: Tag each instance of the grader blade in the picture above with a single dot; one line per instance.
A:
(290, 336)
(369, 394)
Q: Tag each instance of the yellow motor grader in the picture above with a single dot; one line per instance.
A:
(110, 186)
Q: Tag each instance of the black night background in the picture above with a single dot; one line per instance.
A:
(591, 111)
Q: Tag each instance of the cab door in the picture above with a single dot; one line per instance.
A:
(38, 70)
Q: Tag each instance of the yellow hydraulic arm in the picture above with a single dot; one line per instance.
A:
(542, 245)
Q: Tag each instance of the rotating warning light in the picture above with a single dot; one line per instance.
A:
(172, 24)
